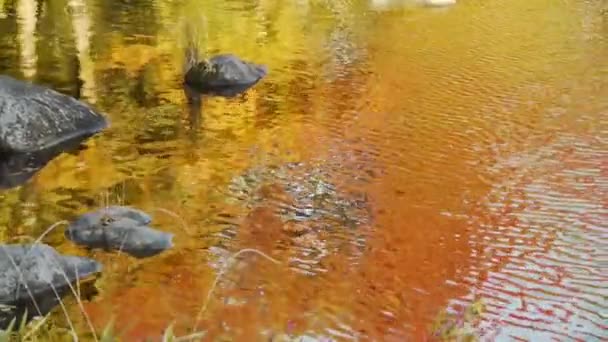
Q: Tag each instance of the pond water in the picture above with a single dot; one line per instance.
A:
(398, 162)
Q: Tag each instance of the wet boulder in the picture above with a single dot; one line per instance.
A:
(119, 228)
(224, 75)
(34, 278)
(34, 117)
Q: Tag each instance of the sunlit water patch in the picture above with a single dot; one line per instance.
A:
(315, 218)
(542, 247)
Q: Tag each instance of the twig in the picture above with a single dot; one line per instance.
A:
(170, 213)
(221, 273)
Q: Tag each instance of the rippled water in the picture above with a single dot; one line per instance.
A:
(398, 161)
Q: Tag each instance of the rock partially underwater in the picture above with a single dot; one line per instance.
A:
(34, 118)
(118, 228)
(34, 278)
(224, 75)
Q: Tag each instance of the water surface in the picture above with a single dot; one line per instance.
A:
(398, 161)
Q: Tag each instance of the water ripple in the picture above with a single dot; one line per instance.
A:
(540, 272)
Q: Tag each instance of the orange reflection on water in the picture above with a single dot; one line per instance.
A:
(443, 149)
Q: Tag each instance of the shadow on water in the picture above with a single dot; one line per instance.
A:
(194, 102)
(45, 302)
(18, 168)
(227, 92)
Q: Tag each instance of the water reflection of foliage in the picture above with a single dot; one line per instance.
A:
(136, 54)
(131, 71)
(458, 326)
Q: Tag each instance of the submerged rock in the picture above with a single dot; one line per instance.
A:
(34, 117)
(35, 277)
(315, 217)
(303, 194)
(119, 228)
(224, 75)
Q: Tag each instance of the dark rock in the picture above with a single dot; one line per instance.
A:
(34, 118)
(224, 75)
(119, 228)
(36, 277)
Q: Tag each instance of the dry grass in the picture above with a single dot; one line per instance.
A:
(221, 273)
(42, 327)
(68, 282)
